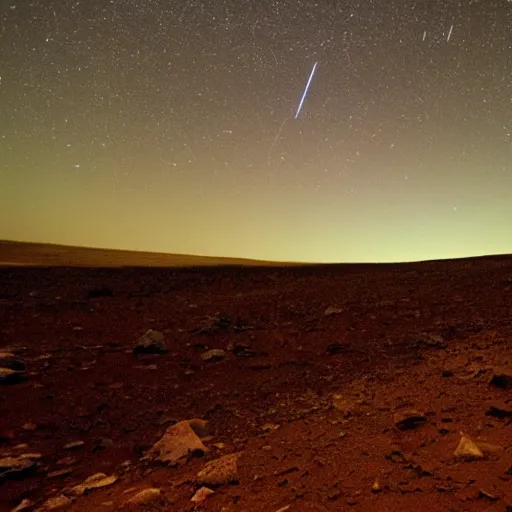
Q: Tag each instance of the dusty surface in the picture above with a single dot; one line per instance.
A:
(49, 255)
(310, 401)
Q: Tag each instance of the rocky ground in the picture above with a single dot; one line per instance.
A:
(351, 387)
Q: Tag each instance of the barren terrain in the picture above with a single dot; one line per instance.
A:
(337, 387)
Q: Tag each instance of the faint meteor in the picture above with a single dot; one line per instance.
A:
(449, 34)
(306, 90)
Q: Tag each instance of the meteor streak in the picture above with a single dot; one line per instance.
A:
(306, 90)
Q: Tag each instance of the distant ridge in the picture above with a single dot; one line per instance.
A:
(30, 254)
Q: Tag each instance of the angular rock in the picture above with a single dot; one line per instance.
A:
(201, 494)
(223, 470)
(216, 354)
(16, 467)
(410, 419)
(179, 441)
(9, 360)
(8, 376)
(151, 342)
(94, 482)
(142, 498)
(24, 506)
(467, 449)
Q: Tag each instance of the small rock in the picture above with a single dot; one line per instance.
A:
(201, 494)
(376, 487)
(24, 506)
(8, 376)
(284, 509)
(29, 426)
(10, 361)
(332, 311)
(467, 449)
(407, 420)
(94, 482)
(151, 342)
(216, 354)
(501, 380)
(179, 441)
(335, 348)
(59, 473)
(499, 412)
(60, 502)
(73, 445)
(142, 498)
(16, 467)
(220, 471)
(486, 495)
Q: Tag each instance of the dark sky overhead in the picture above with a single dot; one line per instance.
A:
(170, 126)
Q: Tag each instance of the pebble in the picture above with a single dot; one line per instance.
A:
(215, 354)
(201, 494)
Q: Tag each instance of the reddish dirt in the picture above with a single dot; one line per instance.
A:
(426, 336)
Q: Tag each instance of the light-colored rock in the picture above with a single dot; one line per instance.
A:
(179, 441)
(467, 449)
(201, 494)
(332, 311)
(215, 354)
(73, 445)
(8, 376)
(142, 498)
(24, 506)
(151, 342)
(94, 482)
(16, 466)
(10, 361)
(60, 502)
(220, 471)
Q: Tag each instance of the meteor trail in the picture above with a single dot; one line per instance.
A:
(306, 90)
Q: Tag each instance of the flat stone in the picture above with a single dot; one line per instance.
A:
(408, 420)
(332, 311)
(94, 482)
(9, 360)
(73, 445)
(179, 441)
(8, 376)
(216, 354)
(60, 502)
(16, 467)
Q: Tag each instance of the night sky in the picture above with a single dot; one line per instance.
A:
(170, 126)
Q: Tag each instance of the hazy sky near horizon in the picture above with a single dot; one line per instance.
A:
(170, 126)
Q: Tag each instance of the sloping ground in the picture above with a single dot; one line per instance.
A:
(48, 255)
(321, 365)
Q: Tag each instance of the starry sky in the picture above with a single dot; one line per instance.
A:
(169, 126)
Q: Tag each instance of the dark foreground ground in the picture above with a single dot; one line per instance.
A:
(321, 364)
